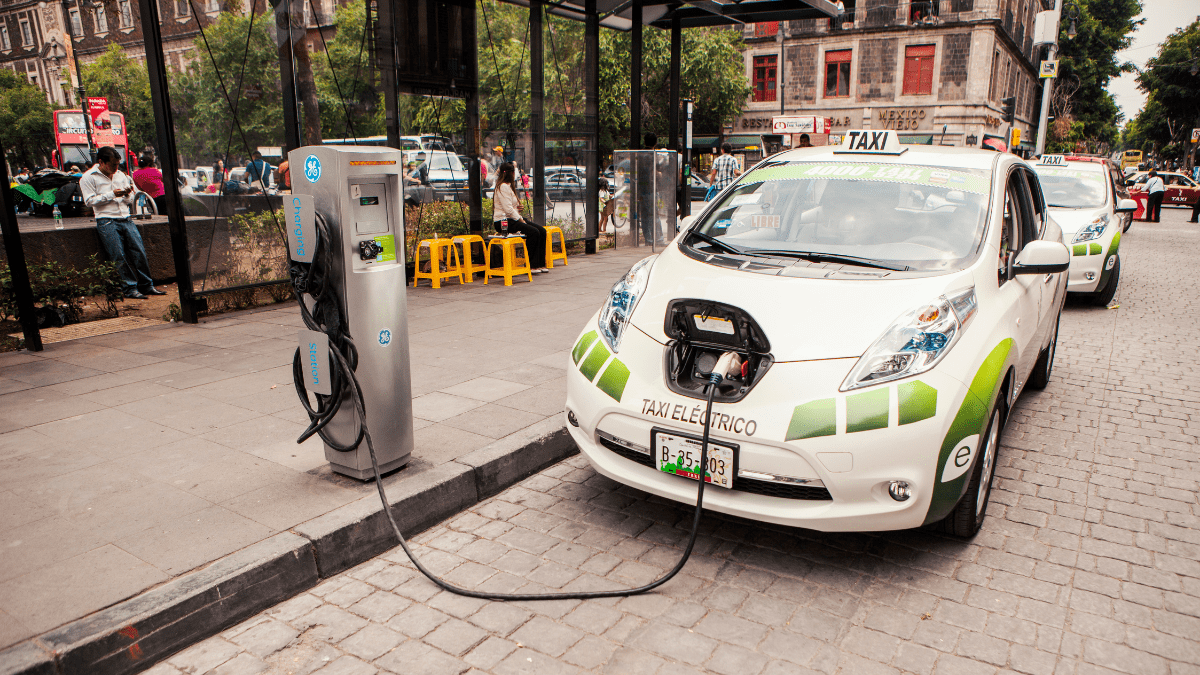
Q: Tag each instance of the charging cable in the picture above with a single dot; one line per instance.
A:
(324, 316)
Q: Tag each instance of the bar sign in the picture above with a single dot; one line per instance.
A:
(301, 227)
(314, 361)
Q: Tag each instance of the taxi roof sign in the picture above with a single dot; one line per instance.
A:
(1052, 160)
(870, 142)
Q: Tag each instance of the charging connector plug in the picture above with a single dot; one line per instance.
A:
(728, 366)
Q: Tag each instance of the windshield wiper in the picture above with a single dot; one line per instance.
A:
(835, 258)
(719, 244)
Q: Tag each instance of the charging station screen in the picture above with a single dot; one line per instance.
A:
(368, 201)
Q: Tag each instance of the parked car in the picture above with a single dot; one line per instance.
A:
(1181, 189)
(699, 188)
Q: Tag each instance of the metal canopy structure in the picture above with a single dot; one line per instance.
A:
(618, 14)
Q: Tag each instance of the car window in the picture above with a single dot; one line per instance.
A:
(926, 218)
(1039, 203)
(1013, 223)
(445, 162)
(1072, 187)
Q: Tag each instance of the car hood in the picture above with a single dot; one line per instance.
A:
(447, 174)
(804, 319)
(1073, 220)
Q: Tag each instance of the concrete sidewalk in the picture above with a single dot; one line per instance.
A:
(133, 458)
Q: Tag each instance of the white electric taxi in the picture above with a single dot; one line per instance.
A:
(886, 304)
(1084, 201)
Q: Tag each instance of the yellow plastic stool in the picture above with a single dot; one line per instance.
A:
(441, 251)
(464, 246)
(509, 269)
(551, 256)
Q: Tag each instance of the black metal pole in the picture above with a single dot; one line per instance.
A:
(635, 79)
(17, 269)
(160, 98)
(537, 122)
(474, 179)
(385, 45)
(287, 76)
(673, 114)
(591, 112)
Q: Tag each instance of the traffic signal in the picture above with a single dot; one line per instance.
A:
(1010, 108)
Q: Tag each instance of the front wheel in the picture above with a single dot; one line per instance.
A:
(967, 516)
(1103, 296)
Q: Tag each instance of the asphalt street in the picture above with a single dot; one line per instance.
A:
(1087, 563)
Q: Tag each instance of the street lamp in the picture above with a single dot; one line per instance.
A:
(82, 94)
(1072, 11)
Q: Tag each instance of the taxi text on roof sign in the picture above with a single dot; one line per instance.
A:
(1052, 160)
(866, 141)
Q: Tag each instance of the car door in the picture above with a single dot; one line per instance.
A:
(1020, 295)
(1188, 191)
(1048, 291)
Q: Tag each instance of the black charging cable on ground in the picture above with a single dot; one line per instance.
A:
(324, 316)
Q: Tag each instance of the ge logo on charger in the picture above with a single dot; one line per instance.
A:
(385, 337)
(312, 168)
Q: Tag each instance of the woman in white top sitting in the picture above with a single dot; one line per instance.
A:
(505, 206)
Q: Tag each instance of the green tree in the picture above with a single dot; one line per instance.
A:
(124, 82)
(1104, 28)
(345, 78)
(26, 123)
(1171, 81)
(204, 119)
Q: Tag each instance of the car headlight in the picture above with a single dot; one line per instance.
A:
(915, 342)
(622, 299)
(1093, 230)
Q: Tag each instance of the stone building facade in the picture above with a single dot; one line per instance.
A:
(915, 66)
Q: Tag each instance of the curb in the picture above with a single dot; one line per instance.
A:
(135, 634)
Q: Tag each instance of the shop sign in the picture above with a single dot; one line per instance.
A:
(756, 122)
(902, 119)
(799, 125)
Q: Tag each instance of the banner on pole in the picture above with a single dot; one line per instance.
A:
(1195, 135)
(98, 111)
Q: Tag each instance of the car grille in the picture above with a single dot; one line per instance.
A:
(740, 484)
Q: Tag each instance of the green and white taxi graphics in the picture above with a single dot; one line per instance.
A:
(1082, 201)
(883, 304)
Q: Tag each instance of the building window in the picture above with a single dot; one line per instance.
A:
(101, 20)
(26, 33)
(182, 8)
(764, 78)
(212, 5)
(837, 73)
(76, 24)
(766, 29)
(5, 43)
(918, 70)
(126, 13)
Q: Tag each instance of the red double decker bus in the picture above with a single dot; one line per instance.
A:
(70, 139)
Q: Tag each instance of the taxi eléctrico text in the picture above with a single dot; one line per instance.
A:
(1084, 201)
(888, 304)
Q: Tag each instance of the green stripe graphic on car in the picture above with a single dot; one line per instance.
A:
(918, 401)
(1079, 249)
(1095, 249)
(1106, 271)
(581, 347)
(866, 411)
(612, 382)
(813, 419)
(971, 419)
(591, 365)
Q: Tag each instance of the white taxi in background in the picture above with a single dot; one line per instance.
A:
(1085, 202)
(887, 305)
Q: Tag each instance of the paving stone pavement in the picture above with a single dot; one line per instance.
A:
(1087, 564)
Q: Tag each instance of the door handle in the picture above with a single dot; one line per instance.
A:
(1048, 278)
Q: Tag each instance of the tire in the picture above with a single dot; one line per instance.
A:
(1045, 363)
(967, 517)
(1105, 295)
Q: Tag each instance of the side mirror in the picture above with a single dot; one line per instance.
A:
(1126, 206)
(1042, 257)
(686, 222)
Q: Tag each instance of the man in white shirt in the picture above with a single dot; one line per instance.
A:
(1154, 193)
(110, 192)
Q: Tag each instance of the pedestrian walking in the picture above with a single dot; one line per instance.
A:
(1154, 193)
(724, 171)
(149, 179)
(109, 192)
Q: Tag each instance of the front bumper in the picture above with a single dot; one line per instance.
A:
(863, 447)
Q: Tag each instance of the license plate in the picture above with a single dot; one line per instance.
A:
(679, 455)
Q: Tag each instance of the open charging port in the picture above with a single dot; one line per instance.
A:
(700, 331)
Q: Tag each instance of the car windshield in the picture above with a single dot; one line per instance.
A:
(920, 217)
(1072, 188)
(445, 162)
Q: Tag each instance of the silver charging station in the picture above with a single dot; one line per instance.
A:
(358, 191)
